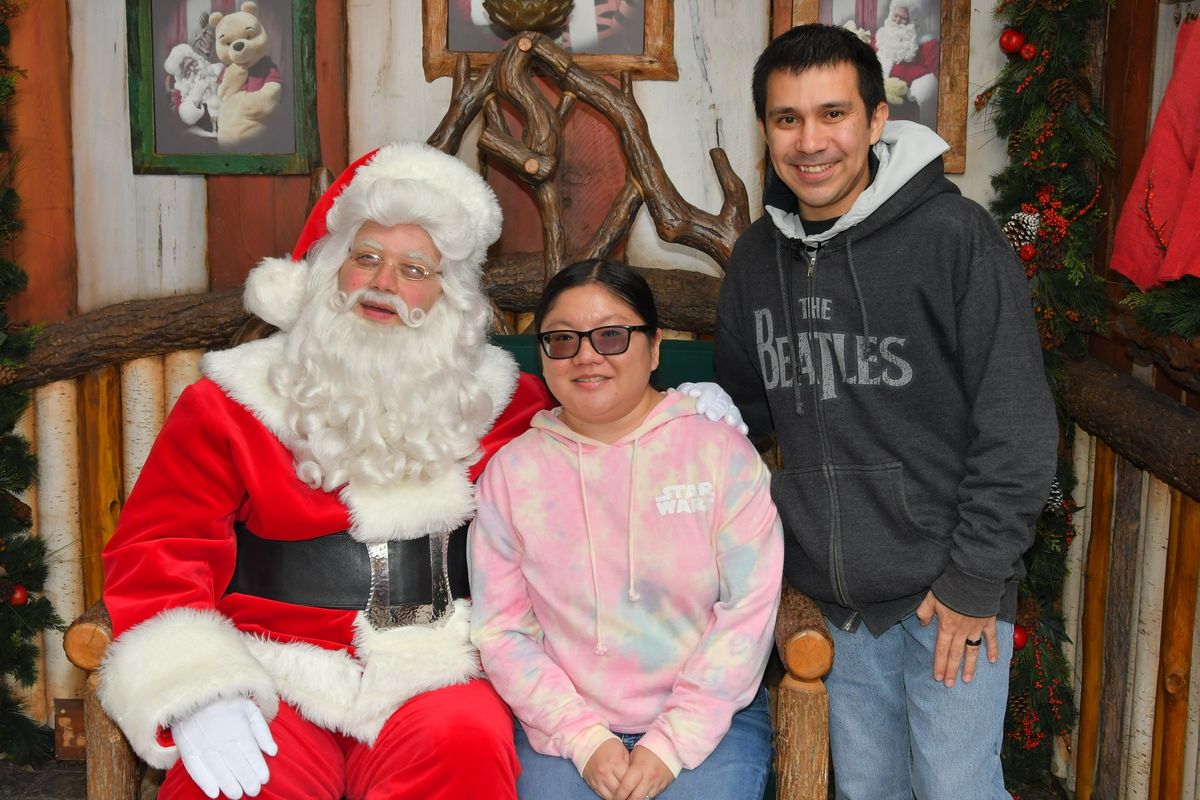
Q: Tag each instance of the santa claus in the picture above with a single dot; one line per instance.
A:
(909, 53)
(287, 583)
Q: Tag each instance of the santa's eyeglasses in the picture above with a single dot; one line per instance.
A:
(609, 340)
(370, 261)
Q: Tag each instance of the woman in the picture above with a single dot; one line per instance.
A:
(625, 568)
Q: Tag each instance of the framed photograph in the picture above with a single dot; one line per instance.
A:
(923, 47)
(607, 36)
(222, 86)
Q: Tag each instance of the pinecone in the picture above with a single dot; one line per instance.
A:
(1019, 706)
(1055, 500)
(1083, 89)
(529, 15)
(1016, 144)
(1062, 91)
(8, 374)
(1055, 5)
(1028, 613)
(1021, 229)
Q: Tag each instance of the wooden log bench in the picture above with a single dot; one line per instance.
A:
(801, 718)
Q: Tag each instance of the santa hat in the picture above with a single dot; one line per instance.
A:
(174, 61)
(439, 192)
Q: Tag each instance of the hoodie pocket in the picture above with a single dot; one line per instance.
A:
(884, 552)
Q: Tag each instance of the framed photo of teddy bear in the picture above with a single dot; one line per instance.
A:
(222, 86)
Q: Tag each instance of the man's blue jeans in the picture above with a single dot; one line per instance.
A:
(736, 770)
(895, 733)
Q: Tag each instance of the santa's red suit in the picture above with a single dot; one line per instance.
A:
(925, 62)
(218, 552)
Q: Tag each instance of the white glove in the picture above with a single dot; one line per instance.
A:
(713, 402)
(222, 747)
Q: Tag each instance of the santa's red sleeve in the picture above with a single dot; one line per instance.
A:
(530, 397)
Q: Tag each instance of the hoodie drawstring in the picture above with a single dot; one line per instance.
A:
(601, 648)
(862, 303)
(633, 592)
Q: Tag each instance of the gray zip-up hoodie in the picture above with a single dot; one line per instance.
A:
(896, 359)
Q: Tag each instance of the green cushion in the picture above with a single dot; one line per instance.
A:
(680, 360)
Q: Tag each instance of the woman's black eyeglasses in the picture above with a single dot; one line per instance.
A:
(610, 340)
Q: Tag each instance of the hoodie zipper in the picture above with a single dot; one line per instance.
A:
(837, 570)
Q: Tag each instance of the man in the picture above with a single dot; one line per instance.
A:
(878, 324)
(909, 55)
(294, 551)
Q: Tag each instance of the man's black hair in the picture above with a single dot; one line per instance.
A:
(807, 46)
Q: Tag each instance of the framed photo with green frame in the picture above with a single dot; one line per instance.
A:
(222, 87)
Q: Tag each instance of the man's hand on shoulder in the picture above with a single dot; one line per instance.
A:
(714, 403)
(959, 640)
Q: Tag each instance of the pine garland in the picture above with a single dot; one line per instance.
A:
(1173, 308)
(1044, 105)
(1046, 199)
(24, 611)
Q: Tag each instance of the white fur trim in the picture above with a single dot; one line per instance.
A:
(403, 662)
(275, 291)
(357, 695)
(379, 513)
(170, 666)
(420, 162)
(499, 373)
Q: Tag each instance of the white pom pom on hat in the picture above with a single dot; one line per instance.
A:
(275, 288)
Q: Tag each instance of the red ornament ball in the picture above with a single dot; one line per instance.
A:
(1020, 637)
(1028, 50)
(1011, 41)
(19, 596)
(1027, 252)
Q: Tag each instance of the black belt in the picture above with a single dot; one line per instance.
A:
(334, 571)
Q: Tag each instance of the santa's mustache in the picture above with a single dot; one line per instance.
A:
(412, 317)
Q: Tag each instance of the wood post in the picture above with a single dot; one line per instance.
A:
(1175, 666)
(1092, 638)
(1118, 629)
(802, 740)
(113, 771)
(101, 493)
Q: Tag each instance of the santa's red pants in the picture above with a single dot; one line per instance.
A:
(447, 744)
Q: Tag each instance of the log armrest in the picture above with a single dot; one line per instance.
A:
(802, 707)
(802, 638)
(89, 637)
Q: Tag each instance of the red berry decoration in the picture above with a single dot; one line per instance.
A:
(1011, 41)
(1020, 637)
(1027, 252)
(1028, 50)
(19, 596)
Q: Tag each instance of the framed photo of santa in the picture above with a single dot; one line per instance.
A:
(923, 47)
(222, 86)
(635, 36)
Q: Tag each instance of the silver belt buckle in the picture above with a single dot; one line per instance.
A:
(383, 616)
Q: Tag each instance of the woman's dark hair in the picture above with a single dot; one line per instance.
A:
(807, 46)
(620, 279)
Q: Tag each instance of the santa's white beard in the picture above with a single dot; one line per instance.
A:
(375, 403)
(895, 44)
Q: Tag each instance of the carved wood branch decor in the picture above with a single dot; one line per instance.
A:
(534, 157)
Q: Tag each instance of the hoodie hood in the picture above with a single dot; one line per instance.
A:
(672, 405)
(903, 151)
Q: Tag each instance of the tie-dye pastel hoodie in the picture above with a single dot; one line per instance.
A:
(627, 587)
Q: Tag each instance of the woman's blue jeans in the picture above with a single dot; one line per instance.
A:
(736, 770)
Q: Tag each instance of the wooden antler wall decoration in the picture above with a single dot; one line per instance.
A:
(534, 158)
